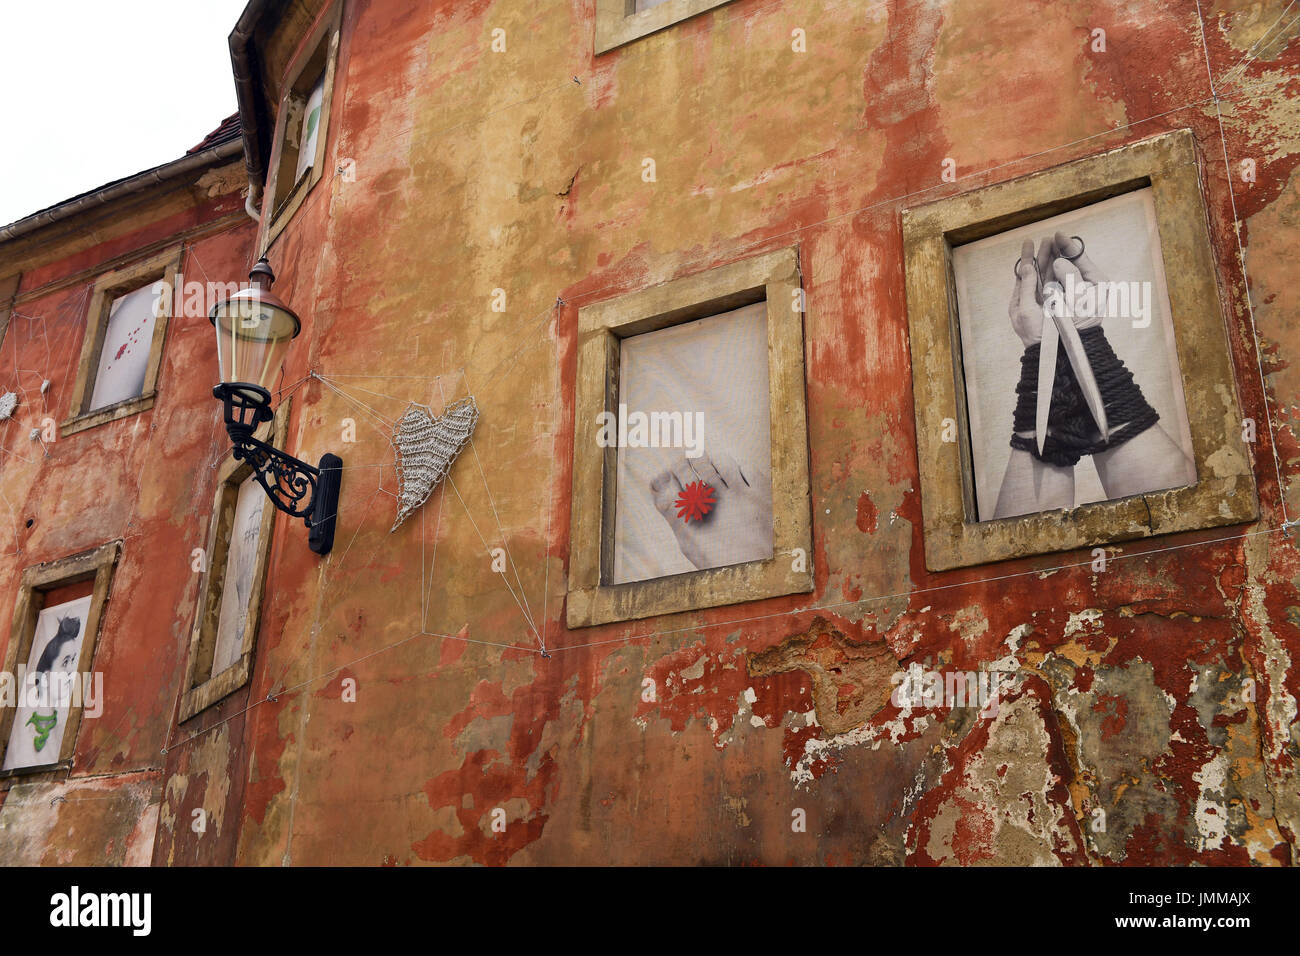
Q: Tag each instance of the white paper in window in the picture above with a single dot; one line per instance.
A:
(241, 564)
(37, 733)
(647, 4)
(310, 127)
(713, 373)
(124, 359)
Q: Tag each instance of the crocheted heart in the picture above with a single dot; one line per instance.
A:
(426, 446)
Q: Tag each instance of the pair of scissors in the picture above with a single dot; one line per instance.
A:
(1058, 330)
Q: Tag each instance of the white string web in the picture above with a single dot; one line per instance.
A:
(24, 390)
(432, 445)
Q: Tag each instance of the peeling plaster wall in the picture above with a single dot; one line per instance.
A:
(1148, 712)
(91, 822)
(478, 171)
(1160, 692)
(146, 479)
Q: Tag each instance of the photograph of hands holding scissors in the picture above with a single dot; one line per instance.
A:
(1078, 398)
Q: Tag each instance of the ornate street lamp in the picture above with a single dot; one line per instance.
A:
(254, 329)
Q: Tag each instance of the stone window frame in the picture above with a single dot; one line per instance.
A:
(164, 268)
(97, 564)
(284, 195)
(203, 688)
(1225, 491)
(618, 23)
(773, 277)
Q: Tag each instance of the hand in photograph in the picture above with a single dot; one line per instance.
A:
(1070, 250)
(1026, 306)
(1030, 483)
(1035, 275)
(1143, 458)
(740, 516)
(1046, 486)
(1151, 456)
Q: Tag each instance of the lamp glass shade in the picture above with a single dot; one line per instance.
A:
(254, 330)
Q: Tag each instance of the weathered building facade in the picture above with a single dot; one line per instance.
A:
(109, 490)
(460, 198)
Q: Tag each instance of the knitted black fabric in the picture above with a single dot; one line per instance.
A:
(1071, 432)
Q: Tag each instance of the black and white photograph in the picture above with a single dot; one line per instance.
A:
(36, 737)
(241, 566)
(1073, 389)
(700, 496)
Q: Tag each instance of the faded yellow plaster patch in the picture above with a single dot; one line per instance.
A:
(735, 807)
(969, 623)
(1005, 796)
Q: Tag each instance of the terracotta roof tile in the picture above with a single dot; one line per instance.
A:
(228, 130)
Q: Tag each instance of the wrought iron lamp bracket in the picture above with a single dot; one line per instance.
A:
(294, 487)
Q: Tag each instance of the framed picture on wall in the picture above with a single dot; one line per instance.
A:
(42, 718)
(1071, 373)
(1103, 264)
(690, 484)
(122, 350)
(224, 637)
(50, 657)
(711, 376)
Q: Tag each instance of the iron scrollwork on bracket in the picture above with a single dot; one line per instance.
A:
(290, 483)
(294, 487)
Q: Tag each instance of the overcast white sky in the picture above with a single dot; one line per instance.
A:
(94, 90)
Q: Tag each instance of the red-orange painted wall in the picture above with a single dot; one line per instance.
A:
(145, 480)
(1162, 691)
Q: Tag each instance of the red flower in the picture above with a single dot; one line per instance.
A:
(695, 501)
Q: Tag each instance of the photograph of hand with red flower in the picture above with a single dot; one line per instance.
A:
(714, 367)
